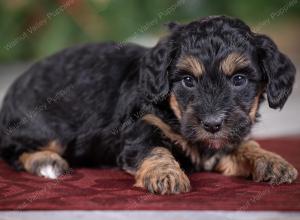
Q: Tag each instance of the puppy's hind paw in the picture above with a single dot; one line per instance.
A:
(44, 163)
(51, 171)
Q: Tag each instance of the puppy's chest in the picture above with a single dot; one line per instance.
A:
(194, 159)
(208, 163)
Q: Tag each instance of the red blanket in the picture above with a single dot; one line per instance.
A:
(111, 189)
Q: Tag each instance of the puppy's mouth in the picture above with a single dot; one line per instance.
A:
(215, 143)
(228, 135)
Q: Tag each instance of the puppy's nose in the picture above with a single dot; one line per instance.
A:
(212, 124)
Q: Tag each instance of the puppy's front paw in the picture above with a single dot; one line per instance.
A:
(160, 173)
(274, 169)
(160, 180)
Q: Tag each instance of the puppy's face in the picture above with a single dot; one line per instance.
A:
(216, 97)
(217, 72)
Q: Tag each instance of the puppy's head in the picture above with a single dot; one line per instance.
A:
(215, 72)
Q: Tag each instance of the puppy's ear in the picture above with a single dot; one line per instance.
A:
(153, 80)
(278, 69)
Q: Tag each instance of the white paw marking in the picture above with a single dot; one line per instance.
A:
(48, 171)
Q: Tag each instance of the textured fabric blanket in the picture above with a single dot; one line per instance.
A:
(112, 189)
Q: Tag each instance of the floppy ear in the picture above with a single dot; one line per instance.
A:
(278, 69)
(153, 80)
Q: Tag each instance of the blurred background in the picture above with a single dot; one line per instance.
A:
(33, 29)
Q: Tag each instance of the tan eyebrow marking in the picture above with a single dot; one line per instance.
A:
(233, 62)
(191, 64)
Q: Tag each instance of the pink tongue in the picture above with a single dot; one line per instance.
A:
(215, 143)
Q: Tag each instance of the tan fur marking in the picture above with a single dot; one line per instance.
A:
(28, 159)
(175, 106)
(240, 163)
(45, 155)
(161, 173)
(189, 150)
(232, 165)
(251, 160)
(53, 146)
(191, 64)
(254, 108)
(233, 62)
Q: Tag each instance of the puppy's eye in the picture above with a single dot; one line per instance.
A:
(239, 80)
(188, 81)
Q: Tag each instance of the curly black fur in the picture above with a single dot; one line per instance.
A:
(91, 98)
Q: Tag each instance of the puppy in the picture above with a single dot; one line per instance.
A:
(185, 105)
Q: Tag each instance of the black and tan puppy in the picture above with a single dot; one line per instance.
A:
(186, 104)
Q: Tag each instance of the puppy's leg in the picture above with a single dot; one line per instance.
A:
(160, 173)
(263, 166)
(46, 162)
